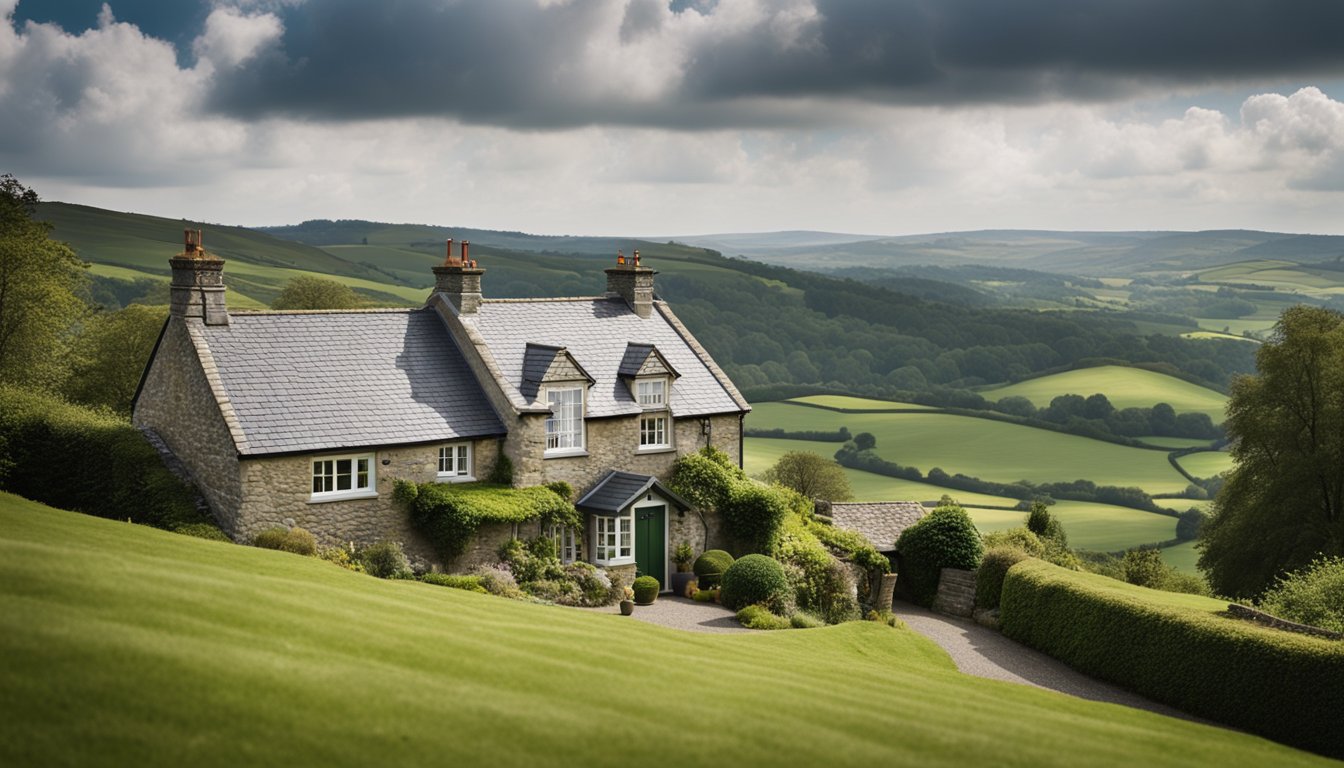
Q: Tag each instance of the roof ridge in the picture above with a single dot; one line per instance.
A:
(368, 311)
(544, 299)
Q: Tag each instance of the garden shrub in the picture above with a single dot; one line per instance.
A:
(1192, 659)
(944, 538)
(704, 478)
(342, 557)
(993, 568)
(385, 560)
(1019, 538)
(752, 515)
(455, 581)
(805, 620)
(646, 589)
(761, 617)
(498, 580)
(709, 567)
(271, 538)
(756, 579)
(202, 531)
(91, 461)
(300, 542)
(562, 489)
(706, 595)
(1313, 595)
(593, 586)
(821, 583)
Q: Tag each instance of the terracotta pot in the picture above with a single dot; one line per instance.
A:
(627, 607)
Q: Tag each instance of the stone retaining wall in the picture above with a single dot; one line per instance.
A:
(1260, 617)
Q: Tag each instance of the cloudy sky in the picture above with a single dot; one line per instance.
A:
(661, 117)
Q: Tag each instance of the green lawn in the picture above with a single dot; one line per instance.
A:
(990, 450)
(1124, 387)
(1182, 557)
(123, 645)
(1206, 463)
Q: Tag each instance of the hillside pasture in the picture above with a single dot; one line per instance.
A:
(1206, 463)
(990, 450)
(1182, 557)
(1125, 387)
(201, 653)
(1101, 527)
(847, 402)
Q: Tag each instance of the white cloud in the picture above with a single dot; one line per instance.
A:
(232, 37)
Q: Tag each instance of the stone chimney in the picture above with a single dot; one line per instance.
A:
(633, 282)
(459, 280)
(198, 282)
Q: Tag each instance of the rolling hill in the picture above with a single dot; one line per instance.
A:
(1125, 387)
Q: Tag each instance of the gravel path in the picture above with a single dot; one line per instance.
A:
(983, 652)
(681, 613)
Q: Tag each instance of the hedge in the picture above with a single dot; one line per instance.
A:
(1286, 687)
(449, 515)
(86, 460)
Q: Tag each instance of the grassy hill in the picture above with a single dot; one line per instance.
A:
(1125, 387)
(125, 645)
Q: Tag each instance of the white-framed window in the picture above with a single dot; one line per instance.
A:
(455, 462)
(566, 542)
(652, 393)
(343, 477)
(564, 429)
(614, 540)
(653, 431)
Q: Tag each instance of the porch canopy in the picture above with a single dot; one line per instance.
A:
(618, 490)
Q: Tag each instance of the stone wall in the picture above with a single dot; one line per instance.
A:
(178, 403)
(278, 492)
(1260, 617)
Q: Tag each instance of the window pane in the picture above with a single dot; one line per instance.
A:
(443, 459)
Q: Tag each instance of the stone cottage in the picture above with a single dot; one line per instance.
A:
(308, 418)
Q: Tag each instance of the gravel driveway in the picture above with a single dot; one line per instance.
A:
(681, 613)
(983, 652)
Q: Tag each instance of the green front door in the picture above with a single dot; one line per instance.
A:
(651, 542)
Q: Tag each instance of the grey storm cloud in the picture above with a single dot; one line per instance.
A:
(527, 66)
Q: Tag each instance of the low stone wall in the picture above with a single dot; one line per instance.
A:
(956, 592)
(1260, 617)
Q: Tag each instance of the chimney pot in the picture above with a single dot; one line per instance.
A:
(197, 287)
(448, 257)
(459, 280)
(465, 244)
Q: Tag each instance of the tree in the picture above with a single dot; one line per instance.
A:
(1282, 504)
(40, 285)
(110, 354)
(811, 475)
(865, 441)
(316, 293)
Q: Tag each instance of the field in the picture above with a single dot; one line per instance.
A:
(1124, 387)
(1090, 526)
(1182, 557)
(843, 402)
(1206, 463)
(184, 651)
(990, 450)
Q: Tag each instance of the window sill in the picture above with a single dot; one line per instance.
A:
(370, 494)
(654, 449)
(454, 479)
(611, 563)
(564, 454)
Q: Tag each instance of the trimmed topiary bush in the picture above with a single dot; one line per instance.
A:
(300, 542)
(944, 538)
(756, 579)
(993, 568)
(646, 590)
(709, 567)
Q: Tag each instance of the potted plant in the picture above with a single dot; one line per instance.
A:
(646, 590)
(683, 555)
(628, 602)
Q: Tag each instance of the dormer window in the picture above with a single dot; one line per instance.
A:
(651, 394)
(564, 428)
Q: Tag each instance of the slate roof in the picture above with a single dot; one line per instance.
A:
(597, 333)
(619, 489)
(881, 522)
(316, 381)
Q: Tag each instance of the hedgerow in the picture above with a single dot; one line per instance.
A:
(89, 461)
(944, 538)
(1284, 686)
(449, 515)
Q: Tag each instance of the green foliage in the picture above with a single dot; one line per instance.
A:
(299, 542)
(704, 481)
(1015, 538)
(1190, 658)
(562, 489)
(683, 555)
(1039, 520)
(805, 620)
(752, 516)
(646, 589)
(706, 595)
(865, 441)
(342, 557)
(531, 561)
(40, 285)
(850, 546)
(1282, 504)
(208, 531)
(811, 475)
(271, 538)
(1313, 595)
(993, 568)
(455, 581)
(944, 538)
(308, 292)
(450, 514)
(761, 617)
(385, 560)
(756, 579)
(709, 567)
(820, 582)
(502, 472)
(89, 461)
(110, 353)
